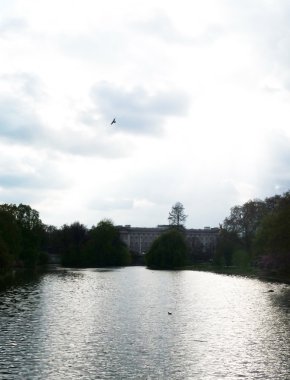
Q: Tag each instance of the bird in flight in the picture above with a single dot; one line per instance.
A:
(113, 121)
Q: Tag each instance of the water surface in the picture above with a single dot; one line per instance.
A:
(114, 324)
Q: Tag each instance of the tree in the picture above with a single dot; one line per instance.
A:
(176, 215)
(31, 231)
(168, 251)
(244, 221)
(104, 246)
(228, 244)
(272, 242)
(71, 240)
(10, 240)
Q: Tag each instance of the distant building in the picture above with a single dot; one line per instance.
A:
(139, 239)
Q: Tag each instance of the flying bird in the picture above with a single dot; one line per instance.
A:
(113, 121)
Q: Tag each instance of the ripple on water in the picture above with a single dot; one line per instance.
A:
(115, 325)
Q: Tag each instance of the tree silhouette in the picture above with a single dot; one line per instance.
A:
(177, 216)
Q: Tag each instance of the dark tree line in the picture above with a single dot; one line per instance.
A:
(21, 236)
(257, 233)
(26, 242)
(79, 246)
(99, 246)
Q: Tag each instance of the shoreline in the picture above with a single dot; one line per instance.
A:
(13, 275)
(236, 271)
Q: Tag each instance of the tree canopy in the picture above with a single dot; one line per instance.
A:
(104, 246)
(21, 234)
(261, 230)
(168, 251)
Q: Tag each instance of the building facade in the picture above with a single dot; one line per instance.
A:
(139, 239)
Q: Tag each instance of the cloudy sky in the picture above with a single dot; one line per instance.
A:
(200, 90)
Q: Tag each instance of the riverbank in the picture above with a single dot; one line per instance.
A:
(238, 271)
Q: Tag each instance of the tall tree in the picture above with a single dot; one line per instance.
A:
(177, 216)
(244, 220)
(31, 231)
(105, 247)
(272, 240)
(71, 239)
(168, 251)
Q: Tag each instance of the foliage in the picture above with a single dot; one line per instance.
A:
(272, 242)
(177, 216)
(70, 240)
(168, 251)
(21, 232)
(244, 220)
(100, 246)
(260, 235)
(104, 246)
(257, 232)
(228, 243)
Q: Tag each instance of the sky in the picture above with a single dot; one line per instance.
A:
(200, 90)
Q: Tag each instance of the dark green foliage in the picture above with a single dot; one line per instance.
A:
(11, 238)
(244, 221)
(258, 232)
(104, 246)
(168, 251)
(100, 246)
(21, 231)
(227, 244)
(71, 240)
(272, 242)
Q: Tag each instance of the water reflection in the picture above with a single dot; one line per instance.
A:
(114, 324)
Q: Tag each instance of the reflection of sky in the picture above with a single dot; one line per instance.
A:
(200, 93)
(115, 324)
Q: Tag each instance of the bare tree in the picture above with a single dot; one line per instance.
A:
(177, 216)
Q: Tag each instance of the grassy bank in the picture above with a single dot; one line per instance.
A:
(239, 271)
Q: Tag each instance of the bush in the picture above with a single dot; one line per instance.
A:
(168, 251)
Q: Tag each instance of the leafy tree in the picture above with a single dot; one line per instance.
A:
(105, 247)
(70, 241)
(10, 234)
(244, 221)
(28, 235)
(228, 244)
(168, 251)
(177, 216)
(272, 242)
(32, 233)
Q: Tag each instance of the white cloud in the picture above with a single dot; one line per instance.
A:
(200, 92)
(137, 110)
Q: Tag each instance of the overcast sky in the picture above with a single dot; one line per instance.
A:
(200, 90)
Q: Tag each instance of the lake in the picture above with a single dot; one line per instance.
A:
(115, 324)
